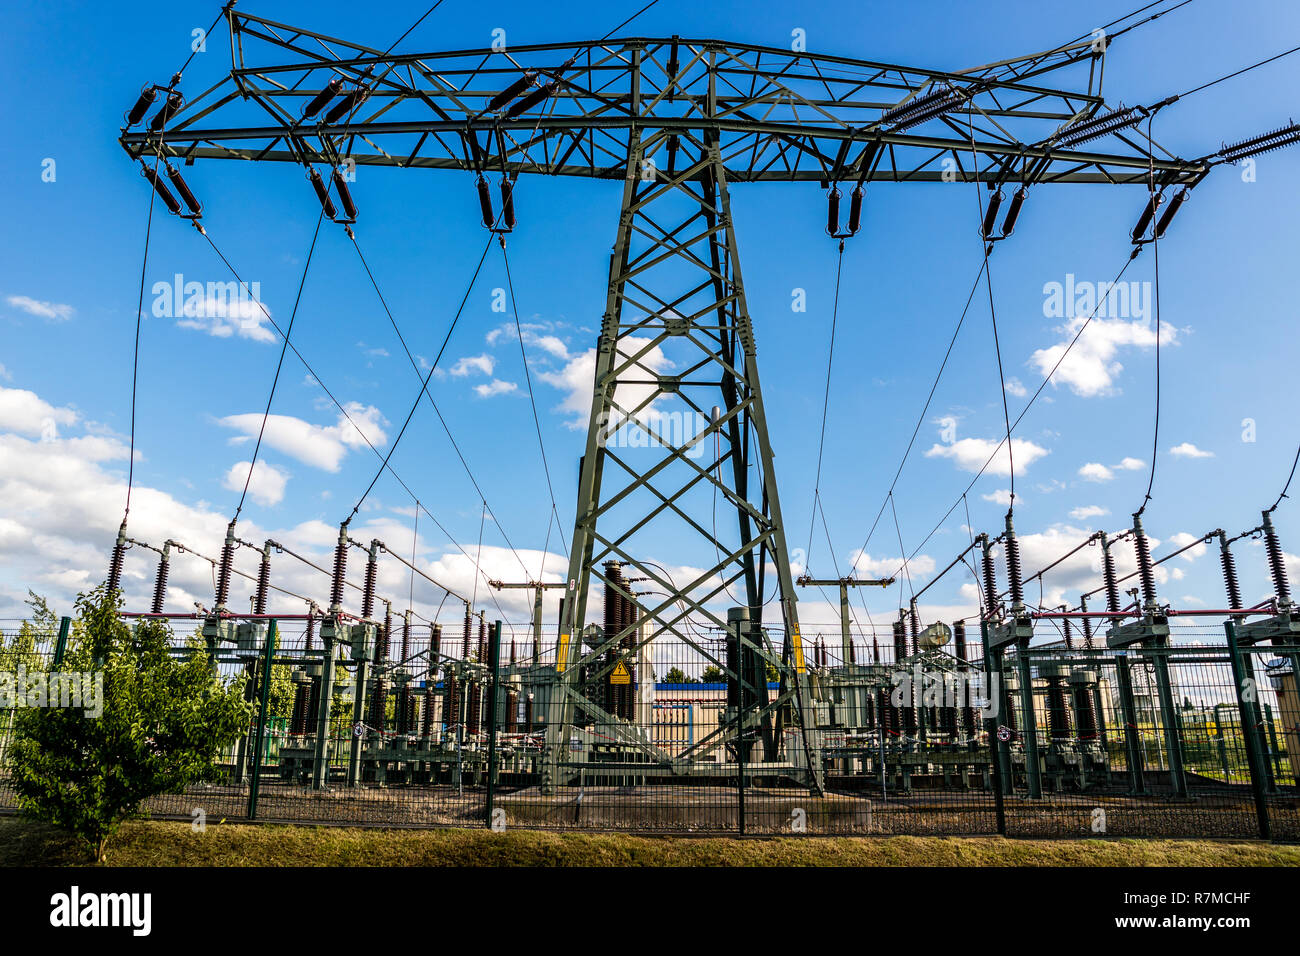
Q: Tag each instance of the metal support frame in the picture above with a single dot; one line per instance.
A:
(846, 640)
(675, 287)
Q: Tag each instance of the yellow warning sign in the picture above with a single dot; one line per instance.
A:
(562, 657)
(620, 674)
(797, 641)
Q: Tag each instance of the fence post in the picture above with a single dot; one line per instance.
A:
(1128, 714)
(268, 655)
(1249, 722)
(997, 748)
(61, 644)
(494, 667)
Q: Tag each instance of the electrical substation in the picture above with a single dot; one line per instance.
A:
(1018, 719)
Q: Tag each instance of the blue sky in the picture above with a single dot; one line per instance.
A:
(71, 266)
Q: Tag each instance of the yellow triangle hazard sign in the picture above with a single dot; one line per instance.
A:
(620, 674)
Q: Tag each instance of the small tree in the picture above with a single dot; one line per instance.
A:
(675, 675)
(165, 719)
(713, 675)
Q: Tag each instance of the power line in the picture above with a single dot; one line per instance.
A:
(532, 400)
(1288, 481)
(1155, 248)
(1021, 416)
(275, 381)
(826, 403)
(429, 395)
(339, 405)
(1253, 66)
(425, 383)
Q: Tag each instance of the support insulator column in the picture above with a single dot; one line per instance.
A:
(1146, 571)
(368, 584)
(1108, 576)
(223, 569)
(1229, 564)
(263, 580)
(340, 569)
(1276, 561)
(1013, 568)
(160, 582)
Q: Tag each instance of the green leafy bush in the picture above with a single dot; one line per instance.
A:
(165, 720)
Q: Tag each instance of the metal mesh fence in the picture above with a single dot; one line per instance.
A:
(425, 727)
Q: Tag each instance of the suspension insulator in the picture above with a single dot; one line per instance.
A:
(160, 582)
(345, 195)
(183, 188)
(508, 203)
(1168, 215)
(1144, 221)
(855, 211)
(991, 214)
(1146, 571)
(1108, 577)
(1013, 567)
(959, 640)
(833, 211)
(223, 569)
(327, 93)
(1276, 561)
(345, 106)
(1229, 563)
(485, 202)
(160, 187)
(263, 583)
(147, 96)
(900, 641)
(171, 106)
(368, 582)
(543, 92)
(340, 568)
(510, 92)
(1013, 211)
(322, 193)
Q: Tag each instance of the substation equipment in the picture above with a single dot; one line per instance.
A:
(677, 123)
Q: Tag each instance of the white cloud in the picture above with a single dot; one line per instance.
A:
(1131, 464)
(865, 566)
(578, 378)
(1015, 387)
(1182, 539)
(1095, 471)
(54, 311)
(267, 486)
(224, 316)
(495, 387)
(1188, 450)
(321, 446)
(1084, 512)
(24, 412)
(1001, 496)
(1090, 367)
(970, 454)
(483, 364)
